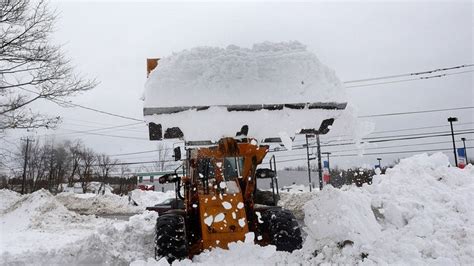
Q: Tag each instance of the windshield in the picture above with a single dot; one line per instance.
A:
(206, 169)
(167, 201)
(233, 167)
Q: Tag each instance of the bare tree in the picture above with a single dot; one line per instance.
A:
(104, 166)
(75, 155)
(32, 68)
(86, 167)
(163, 156)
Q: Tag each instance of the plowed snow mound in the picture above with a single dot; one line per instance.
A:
(90, 203)
(110, 242)
(422, 214)
(7, 198)
(38, 210)
(150, 198)
(295, 202)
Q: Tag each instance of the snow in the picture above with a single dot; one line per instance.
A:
(204, 76)
(149, 198)
(420, 212)
(8, 197)
(38, 229)
(267, 73)
(348, 211)
(90, 203)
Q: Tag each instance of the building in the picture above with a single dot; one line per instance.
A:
(151, 179)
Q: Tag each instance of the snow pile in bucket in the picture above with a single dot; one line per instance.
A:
(90, 203)
(146, 198)
(268, 73)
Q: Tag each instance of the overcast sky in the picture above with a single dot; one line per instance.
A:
(110, 41)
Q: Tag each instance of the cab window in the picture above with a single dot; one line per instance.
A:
(233, 167)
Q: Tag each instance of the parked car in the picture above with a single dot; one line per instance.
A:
(147, 187)
(169, 204)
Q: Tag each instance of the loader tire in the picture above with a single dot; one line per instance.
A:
(170, 237)
(282, 229)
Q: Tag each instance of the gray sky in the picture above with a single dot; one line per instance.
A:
(111, 40)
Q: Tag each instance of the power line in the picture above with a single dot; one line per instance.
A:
(377, 148)
(413, 79)
(377, 153)
(81, 106)
(396, 152)
(133, 153)
(143, 162)
(418, 112)
(410, 74)
(108, 135)
(91, 130)
(397, 146)
(338, 137)
(396, 138)
(416, 128)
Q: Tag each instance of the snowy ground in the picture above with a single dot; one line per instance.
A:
(419, 212)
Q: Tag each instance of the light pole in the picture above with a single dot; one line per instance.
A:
(451, 120)
(380, 164)
(465, 150)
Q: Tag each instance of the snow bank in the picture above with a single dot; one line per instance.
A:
(107, 242)
(38, 221)
(268, 73)
(38, 210)
(146, 198)
(419, 212)
(90, 203)
(7, 198)
(338, 215)
(295, 201)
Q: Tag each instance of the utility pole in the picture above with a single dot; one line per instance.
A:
(24, 166)
(451, 120)
(320, 168)
(465, 150)
(309, 166)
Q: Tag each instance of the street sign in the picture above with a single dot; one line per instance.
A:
(326, 174)
(462, 157)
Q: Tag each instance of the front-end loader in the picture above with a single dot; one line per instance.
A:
(218, 190)
(218, 183)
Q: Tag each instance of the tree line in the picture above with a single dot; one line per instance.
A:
(54, 164)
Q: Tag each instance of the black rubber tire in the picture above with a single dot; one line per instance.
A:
(281, 229)
(170, 237)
